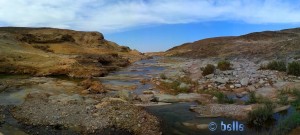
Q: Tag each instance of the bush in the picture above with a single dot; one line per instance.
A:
(259, 116)
(277, 65)
(163, 76)
(224, 65)
(283, 100)
(222, 98)
(252, 98)
(209, 69)
(294, 68)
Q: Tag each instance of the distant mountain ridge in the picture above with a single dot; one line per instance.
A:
(266, 44)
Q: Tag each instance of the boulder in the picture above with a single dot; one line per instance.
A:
(267, 92)
(237, 85)
(210, 76)
(244, 81)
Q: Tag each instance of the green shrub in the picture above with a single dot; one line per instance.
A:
(163, 76)
(260, 115)
(209, 69)
(252, 98)
(283, 100)
(296, 103)
(224, 65)
(286, 124)
(222, 98)
(294, 68)
(277, 65)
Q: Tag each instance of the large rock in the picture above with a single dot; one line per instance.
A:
(245, 81)
(267, 92)
(221, 80)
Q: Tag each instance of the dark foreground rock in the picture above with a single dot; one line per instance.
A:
(111, 114)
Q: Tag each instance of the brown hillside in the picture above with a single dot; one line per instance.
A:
(267, 44)
(49, 51)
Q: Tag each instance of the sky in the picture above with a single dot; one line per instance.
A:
(154, 25)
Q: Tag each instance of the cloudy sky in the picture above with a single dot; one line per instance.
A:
(154, 25)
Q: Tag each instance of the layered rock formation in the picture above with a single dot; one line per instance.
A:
(48, 51)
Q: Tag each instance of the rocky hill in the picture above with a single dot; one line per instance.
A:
(267, 44)
(49, 51)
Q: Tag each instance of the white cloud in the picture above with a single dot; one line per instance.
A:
(116, 15)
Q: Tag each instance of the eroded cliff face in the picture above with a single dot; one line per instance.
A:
(48, 51)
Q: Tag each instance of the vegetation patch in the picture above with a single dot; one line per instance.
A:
(222, 98)
(294, 68)
(252, 98)
(163, 76)
(275, 65)
(260, 115)
(208, 69)
(224, 65)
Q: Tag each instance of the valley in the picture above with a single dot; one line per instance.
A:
(57, 81)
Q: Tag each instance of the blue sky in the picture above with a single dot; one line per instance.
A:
(154, 25)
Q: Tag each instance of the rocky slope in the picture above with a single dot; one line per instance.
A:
(48, 51)
(267, 44)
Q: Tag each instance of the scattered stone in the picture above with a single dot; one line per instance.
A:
(148, 92)
(244, 81)
(221, 80)
(238, 85)
(210, 76)
(202, 126)
(231, 86)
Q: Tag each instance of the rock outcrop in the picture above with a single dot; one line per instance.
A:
(48, 51)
